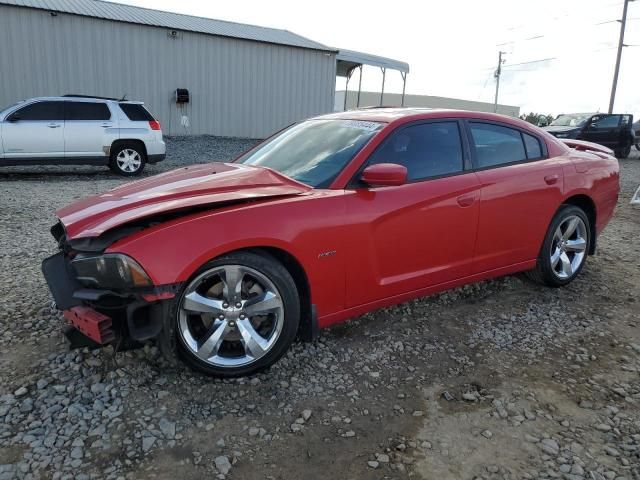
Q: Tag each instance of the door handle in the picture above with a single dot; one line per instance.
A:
(107, 125)
(54, 125)
(466, 200)
(551, 179)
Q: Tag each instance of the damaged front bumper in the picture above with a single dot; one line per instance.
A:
(105, 315)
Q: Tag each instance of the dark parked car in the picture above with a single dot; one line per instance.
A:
(611, 130)
(636, 131)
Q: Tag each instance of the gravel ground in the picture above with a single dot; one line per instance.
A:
(498, 380)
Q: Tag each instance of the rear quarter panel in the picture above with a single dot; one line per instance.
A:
(139, 130)
(597, 176)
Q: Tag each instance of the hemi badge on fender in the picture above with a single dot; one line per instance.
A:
(330, 253)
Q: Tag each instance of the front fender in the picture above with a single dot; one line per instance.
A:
(304, 227)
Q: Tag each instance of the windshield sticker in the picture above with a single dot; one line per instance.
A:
(362, 125)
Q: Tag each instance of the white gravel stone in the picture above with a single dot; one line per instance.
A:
(223, 465)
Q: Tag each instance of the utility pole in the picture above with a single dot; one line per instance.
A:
(623, 24)
(497, 74)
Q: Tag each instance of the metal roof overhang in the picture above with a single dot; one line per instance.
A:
(121, 12)
(348, 60)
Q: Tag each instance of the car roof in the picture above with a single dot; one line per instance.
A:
(79, 98)
(395, 114)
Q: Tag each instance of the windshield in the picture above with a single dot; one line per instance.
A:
(10, 106)
(314, 151)
(572, 120)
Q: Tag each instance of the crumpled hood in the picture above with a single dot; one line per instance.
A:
(196, 185)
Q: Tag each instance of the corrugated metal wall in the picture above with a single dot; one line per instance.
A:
(238, 88)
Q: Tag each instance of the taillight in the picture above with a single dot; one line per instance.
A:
(154, 124)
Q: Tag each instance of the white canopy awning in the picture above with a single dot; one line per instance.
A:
(348, 60)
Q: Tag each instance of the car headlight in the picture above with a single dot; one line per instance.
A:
(112, 270)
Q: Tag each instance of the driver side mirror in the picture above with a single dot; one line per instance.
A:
(384, 175)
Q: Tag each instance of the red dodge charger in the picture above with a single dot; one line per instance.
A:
(223, 264)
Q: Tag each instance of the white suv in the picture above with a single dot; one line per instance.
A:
(80, 130)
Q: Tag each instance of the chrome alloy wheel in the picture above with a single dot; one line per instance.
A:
(129, 160)
(230, 316)
(569, 247)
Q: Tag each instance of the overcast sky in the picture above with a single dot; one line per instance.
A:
(452, 46)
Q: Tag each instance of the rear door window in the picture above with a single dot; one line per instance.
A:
(87, 111)
(532, 145)
(40, 111)
(136, 112)
(497, 145)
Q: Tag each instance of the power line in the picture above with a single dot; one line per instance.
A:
(617, 20)
(485, 85)
(555, 32)
(553, 59)
(532, 61)
(523, 63)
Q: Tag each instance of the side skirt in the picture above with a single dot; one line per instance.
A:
(18, 162)
(332, 318)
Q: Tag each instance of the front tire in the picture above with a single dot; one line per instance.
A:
(127, 159)
(623, 152)
(565, 248)
(237, 315)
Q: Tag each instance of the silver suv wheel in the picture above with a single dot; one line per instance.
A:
(129, 160)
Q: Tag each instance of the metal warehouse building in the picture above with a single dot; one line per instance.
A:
(243, 80)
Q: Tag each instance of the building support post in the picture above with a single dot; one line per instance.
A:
(384, 73)
(404, 85)
(346, 90)
(359, 87)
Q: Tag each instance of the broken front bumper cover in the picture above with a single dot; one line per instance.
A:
(91, 323)
(104, 315)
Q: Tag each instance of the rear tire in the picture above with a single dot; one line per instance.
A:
(623, 152)
(565, 248)
(236, 316)
(127, 159)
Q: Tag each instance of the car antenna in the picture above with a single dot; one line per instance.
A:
(124, 97)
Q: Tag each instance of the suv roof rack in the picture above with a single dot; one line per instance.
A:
(374, 107)
(90, 96)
